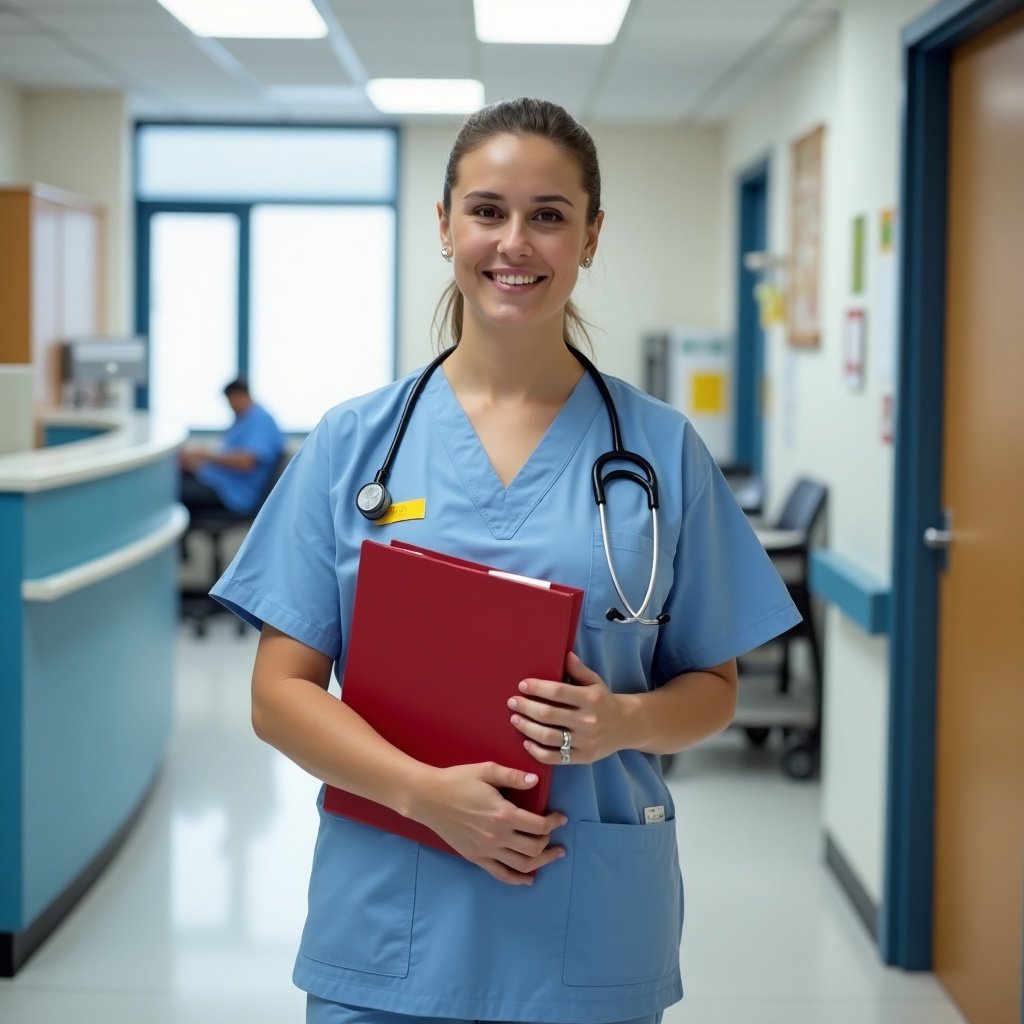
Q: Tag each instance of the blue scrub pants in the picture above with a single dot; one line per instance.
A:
(320, 1011)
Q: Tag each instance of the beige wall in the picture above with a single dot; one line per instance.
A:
(11, 136)
(80, 142)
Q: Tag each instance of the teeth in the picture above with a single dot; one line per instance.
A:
(515, 278)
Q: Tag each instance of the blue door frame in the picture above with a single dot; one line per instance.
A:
(906, 918)
(753, 237)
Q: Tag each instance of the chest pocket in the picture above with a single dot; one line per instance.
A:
(631, 556)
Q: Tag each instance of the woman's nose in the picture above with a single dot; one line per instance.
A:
(514, 239)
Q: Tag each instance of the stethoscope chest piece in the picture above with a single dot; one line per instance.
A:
(373, 500)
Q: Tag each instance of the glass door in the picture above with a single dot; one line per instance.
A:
(194, 282)
(321, 318)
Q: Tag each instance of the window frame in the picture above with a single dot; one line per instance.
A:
(146, 209)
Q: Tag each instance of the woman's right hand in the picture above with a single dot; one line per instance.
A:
(464, 806)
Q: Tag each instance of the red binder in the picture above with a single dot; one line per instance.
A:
(437, 646)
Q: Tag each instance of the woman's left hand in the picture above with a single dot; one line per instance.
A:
(586, 708)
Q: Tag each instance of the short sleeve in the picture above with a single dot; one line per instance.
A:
(260, 437)
(726, 596)
(284, 573)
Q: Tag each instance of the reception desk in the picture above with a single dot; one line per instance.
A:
(88, 613)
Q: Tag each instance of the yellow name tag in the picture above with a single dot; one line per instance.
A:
(403, 511)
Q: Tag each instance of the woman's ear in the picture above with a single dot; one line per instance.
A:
(443, 228)
(593, 232)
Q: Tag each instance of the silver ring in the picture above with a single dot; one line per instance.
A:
(566, 748)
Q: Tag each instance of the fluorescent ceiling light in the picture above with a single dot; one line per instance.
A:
(569, 22)
(249, 19)
(426, 95)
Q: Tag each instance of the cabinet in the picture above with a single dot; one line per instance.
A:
(51, 276)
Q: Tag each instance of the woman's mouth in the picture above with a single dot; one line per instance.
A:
(513, 280)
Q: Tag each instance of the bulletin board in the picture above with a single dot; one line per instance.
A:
(806, 206)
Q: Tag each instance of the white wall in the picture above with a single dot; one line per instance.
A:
(784, 111)
(422, 273)
(80, 142)
(11, 137)
(850, 81)
(659, 255)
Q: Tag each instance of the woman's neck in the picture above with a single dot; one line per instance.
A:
(513, 368)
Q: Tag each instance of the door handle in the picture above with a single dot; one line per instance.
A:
(939, 538)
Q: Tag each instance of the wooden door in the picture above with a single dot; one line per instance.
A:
(980, 740)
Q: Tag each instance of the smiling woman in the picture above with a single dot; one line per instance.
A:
(499, 446)
(517, 246)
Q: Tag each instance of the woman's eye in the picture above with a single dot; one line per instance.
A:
(550, 216)
(487, 212)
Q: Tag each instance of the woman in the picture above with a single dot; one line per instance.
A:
(575, 915)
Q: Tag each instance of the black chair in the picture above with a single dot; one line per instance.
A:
(746, 485)
(800, 515)
(215, 524)
(788, 542)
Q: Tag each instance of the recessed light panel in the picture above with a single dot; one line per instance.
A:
(426, 95)
(249, 19)
(569, 22)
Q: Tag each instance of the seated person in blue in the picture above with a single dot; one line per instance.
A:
(235, 474)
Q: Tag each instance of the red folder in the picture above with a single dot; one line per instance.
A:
(436, 647)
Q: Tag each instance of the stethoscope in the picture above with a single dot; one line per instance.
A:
(373, 499)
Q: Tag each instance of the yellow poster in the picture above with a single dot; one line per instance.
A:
(707, 393)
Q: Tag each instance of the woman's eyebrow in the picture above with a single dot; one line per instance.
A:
(496, 196)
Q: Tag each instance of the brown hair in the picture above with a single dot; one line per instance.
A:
(520, 117)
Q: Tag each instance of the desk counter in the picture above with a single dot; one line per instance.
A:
(88, 615)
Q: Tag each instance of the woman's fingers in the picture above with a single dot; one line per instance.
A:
(545, 735)
(544, 710)
(467, 809)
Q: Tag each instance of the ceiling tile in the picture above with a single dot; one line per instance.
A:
(289, 62)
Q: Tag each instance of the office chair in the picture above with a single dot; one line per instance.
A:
(788, 541)
(746, 485)
(215, 524)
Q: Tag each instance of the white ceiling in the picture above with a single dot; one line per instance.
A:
(674, 60)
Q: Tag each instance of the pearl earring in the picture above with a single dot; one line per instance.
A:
(446, 253)
(587, 263)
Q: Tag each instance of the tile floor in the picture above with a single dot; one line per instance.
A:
(197, 919)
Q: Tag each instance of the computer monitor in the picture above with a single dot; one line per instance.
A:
(105, 358)
(103, 370)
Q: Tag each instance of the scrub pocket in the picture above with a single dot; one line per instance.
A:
(631, 556)
(626, 909)
(362, 892)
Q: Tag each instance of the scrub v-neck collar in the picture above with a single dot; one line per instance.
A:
(505, 509)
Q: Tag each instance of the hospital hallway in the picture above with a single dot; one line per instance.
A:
(197, 918)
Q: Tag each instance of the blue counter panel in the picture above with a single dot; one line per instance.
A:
(70, 525)
(98, 671)
(11, 509)
(54, 435)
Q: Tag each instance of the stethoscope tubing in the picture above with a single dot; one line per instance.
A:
(373, 499)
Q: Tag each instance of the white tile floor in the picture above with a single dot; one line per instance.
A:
(197, 919)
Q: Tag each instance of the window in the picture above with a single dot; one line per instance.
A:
(267, 252)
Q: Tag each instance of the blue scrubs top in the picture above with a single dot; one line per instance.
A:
(400, 927)
(256, 433)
